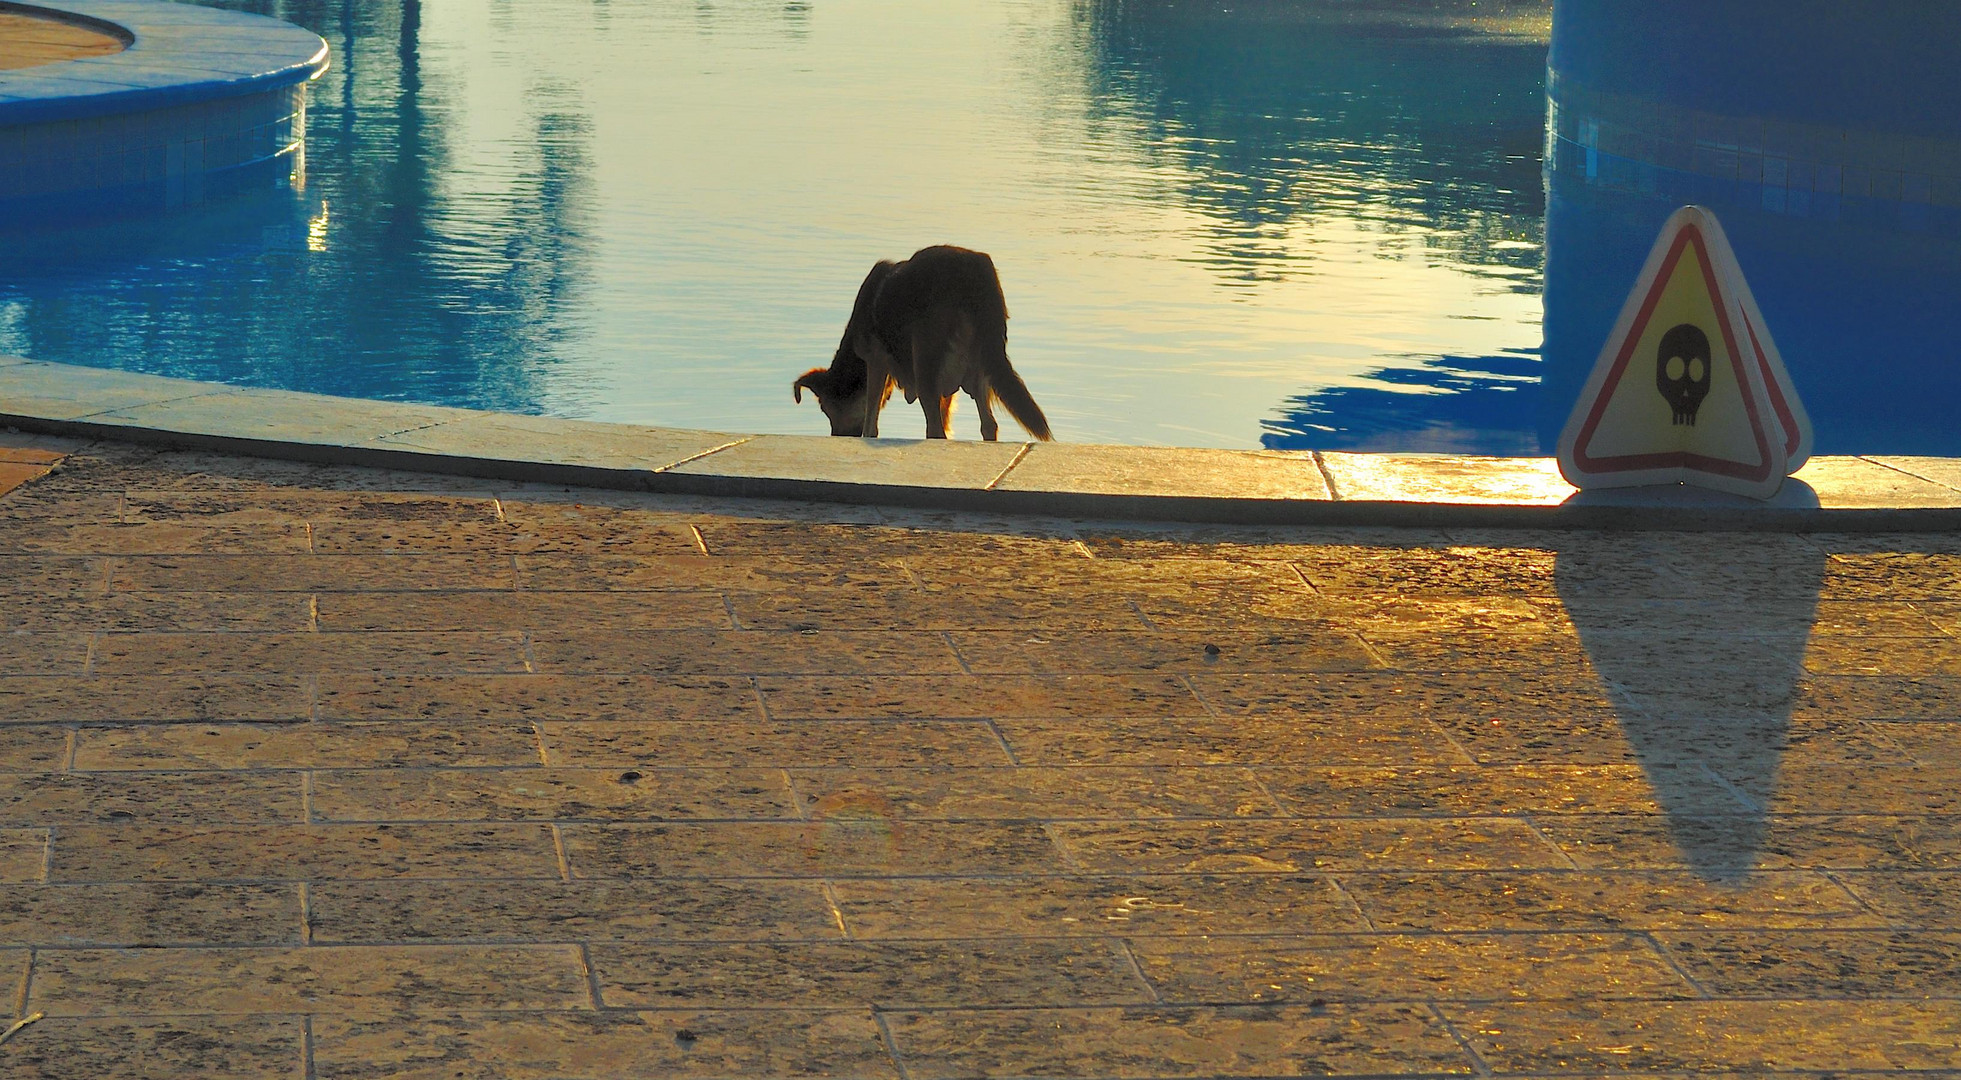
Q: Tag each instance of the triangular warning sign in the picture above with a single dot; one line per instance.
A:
(1689, 387)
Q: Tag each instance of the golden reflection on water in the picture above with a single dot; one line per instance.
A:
(1215, 223)
(1173, 272)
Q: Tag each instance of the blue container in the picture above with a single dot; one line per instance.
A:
(200, 103)
(1827, 139)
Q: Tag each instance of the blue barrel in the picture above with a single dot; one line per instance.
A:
(1827, 139)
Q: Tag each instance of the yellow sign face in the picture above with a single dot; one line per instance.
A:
(1687, 389)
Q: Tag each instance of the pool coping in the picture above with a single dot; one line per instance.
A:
(1168, 484)
(177, 54)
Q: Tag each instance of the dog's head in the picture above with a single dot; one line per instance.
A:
(841, 397)
(840, 389)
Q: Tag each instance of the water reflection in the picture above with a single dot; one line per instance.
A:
(659, 211)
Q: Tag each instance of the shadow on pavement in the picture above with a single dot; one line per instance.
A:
(1700, 641)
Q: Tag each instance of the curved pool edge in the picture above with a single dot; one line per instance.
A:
(1163, 484)
(176, 54)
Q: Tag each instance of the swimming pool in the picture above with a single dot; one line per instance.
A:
(1291, 223)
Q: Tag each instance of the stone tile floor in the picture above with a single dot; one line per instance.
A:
(310, 772)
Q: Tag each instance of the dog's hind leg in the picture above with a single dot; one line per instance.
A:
(939, 410)
(984, 404)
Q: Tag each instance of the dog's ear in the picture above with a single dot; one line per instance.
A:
(812, 378)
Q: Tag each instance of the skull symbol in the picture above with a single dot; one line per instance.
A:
(1682, 370)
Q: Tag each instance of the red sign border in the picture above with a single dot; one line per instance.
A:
(1690, 234)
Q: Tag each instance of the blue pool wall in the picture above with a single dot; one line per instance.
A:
(1825, 136)
(202, 103)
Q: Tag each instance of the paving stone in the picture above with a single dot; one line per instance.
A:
(453, 611)
(1391, 614)
(1785, 827)
(1843, 697)
(684, 1045)
(1945, 615)
(1154, 540)
(600, 529)
(1255, 740)
(1072, 574)
(1037, 652)
(759, 573)
(1726, 845)
(787, 744)
(1095, 906)
(23, 854)
(332, 537)
(1024, 793)
(1157, 470)
(1147, 1042)
(846, 974)
(1680, 745)
(46, 504)
(1402, 967)
(1894, 575)
(461, 911)
(149, 915)
(831, 543)
(1587, 900)
(151, 698)
(33, 749)
(1432, 572)
(1929, 743)
(549, 793)
(148, 538)
(1789, 618)
(1921, 900)
(1295, 845)
(28, 799)
(853, 842)
(908, 609)
(1264, 610)
(145, 1048)
(1471, 651)
(535, 697)
(742, 652)
(44, 576)
(19, 474)
(301, 852)
(252, 503)
(1365, 696)
(961, 464)
(1885, 656)
(1864, 789)
(156, 612)
(310, 573)
(958, 696)
(1809, 964)
(1467, 791)
(1757, 1036)
(392, 979)
(177, 654)
(304, 746)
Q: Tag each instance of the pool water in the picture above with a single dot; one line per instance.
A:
(1291, 223)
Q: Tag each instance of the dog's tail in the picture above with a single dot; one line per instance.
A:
(1003, 384)
(1007, 388)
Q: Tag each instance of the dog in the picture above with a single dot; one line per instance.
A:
(932, 325)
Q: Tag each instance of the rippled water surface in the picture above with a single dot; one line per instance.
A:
(1291, 222)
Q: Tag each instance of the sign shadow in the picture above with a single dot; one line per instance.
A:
(1699, 641)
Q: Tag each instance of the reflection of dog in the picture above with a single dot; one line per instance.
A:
(933, 325)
